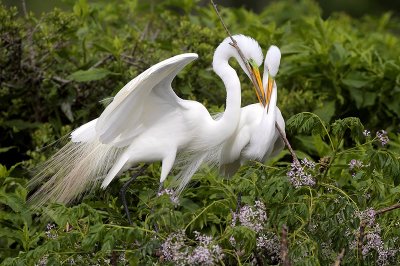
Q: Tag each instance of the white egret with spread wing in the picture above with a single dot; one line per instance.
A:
(146, 122)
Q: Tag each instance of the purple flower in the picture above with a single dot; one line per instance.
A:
(270, 243)
(232, 240)
(51, 231)
(298, 176)
(251, 217)
(368, 216)
(355, 164)
(206, 252)
(382, 136)
(366, 133)
(308, 164)
(172, 196)
(173, 249)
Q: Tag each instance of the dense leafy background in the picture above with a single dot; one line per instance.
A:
(55, 69)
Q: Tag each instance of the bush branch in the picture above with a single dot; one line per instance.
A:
(339, 258)
(284, 247)
(387, 209)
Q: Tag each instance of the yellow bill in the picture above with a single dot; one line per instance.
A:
(269, 88)
(259, 91)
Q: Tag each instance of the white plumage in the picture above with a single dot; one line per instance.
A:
(145, 122)
(255, 138)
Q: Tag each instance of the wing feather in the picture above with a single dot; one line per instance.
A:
(152, 87)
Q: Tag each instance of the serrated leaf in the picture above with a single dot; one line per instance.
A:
(340, 126)
(306, 123)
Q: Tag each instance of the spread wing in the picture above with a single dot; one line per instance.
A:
(146, 97)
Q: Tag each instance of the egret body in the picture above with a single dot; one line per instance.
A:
(146, 122)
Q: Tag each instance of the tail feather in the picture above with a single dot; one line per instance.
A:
(74, 169)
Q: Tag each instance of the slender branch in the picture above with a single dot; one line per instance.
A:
(102, 61)
(234, 44)
(254, 81)
(24, 8)
(363, 224)
(387, 209)
(284, 247)
(361, 239)
(286, 141)
(339, 258)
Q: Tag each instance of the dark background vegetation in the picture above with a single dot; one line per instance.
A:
(355, 8)
(340, 59)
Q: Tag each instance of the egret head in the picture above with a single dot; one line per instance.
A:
(250, 48)
(252, 52)
(271, 67)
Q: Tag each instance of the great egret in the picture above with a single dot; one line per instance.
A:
(255, 138)
(146, 122)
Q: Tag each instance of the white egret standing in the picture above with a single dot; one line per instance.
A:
(255, 138)
(145, 122)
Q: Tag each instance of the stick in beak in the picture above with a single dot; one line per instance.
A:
(259, 90)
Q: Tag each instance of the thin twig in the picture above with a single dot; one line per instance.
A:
(24, 8)
(387, 209)
(102, 61)
(61, 80)
(361, 239)
(234, 44)
(284, 247)
(339, 258)
(253, 80)
(363, 224)
(286, 141)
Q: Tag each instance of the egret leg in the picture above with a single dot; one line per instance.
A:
(160, 188)
(122, 192)
(166, 167)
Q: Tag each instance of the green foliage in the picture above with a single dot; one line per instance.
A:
(336, 76)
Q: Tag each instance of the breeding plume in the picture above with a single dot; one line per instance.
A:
(146, 122)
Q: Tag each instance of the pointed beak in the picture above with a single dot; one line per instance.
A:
(269, 89)
(259, 90)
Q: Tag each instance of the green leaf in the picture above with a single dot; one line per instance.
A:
(340, 126)
(326, 111)
(89, 75)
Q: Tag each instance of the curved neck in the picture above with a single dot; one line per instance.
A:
(224, 127)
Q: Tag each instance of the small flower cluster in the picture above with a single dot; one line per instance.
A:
(355, 164)
(51, 232)
(382, 136)
(172, 196)
(251, 217)
(366, 133)
(298, 173)
(372, 239)
(271, 244)
(174, 249)
(43, 261)
(367, 216)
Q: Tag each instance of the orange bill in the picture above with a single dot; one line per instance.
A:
(259, 91)
(269, 89)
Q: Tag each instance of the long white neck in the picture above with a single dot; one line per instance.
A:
(224, 127)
